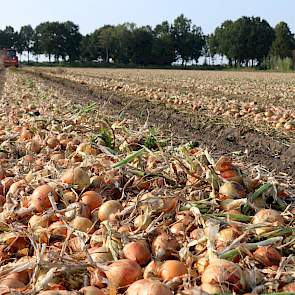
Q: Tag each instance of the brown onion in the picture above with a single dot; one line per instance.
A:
(40, 200)
(91, 290)
(232, 190)
(101, 254)
(223, 273)
(142, 221)
(269, 216)
(123, 272)
(148, 287)
(92, 199)
(137, 251)
(82, 224)
(76, 176)
(164, 246)
(171, 269)
(267, 255)
(108, 209)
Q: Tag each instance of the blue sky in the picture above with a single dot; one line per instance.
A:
(90, 14)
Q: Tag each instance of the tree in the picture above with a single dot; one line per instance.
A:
(26, 36)
(163, 49)
(71, 40)
(105, 41)
(188, 39)
(142, 44)
(283, 43)
(8, 38)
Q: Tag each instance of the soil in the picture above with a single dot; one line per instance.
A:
(215, 133)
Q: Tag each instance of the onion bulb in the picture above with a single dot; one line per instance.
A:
(142, 221)
(40, 200)
(76, 176)
(101, 254)
(82, 224)
(232, 190)
(267, 216)
(267, 255)
(224, 274)
(171, 269)
(91, 290)
(92, 199)
(108, 209)
(123, 272)
(164, 246)
(137, 251)
(148, 287)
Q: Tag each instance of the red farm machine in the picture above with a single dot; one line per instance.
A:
(8, 58)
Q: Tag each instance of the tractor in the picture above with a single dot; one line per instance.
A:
(9, 58)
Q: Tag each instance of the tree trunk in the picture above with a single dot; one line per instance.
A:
(49, 55)
(28, 56)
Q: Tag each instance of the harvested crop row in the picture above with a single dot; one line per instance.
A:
(91, 206)
(263, 100)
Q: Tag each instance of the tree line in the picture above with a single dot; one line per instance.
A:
(247, 41)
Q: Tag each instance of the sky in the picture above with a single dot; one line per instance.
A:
(91, 14)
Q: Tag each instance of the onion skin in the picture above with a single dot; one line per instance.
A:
(90, 290)
(137, 251)
(82, 224)
(12, 283)
(39, 198)
(171, 269)
(142, 221)
(123, 273)
(148, 287)
(101, 254)
(108, 209)
(223, 273)
(164, 246)
(232, 190)
(267, 216)
(92, 199)
(268, 256)
(76, 176)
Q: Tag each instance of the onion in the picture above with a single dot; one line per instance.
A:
(90, 290)
(58, 228)
(215, 289)
(39, 198)
(123, 272)
(26, 134)
(171, 269)
(178, 228)
(224, 274)
(12, 283)
(267, 255)
(76, 176)
(289, 288)
(34, 146)
(142, 221)
(269, 216)
(22, 276)
(148, 287)
(108, 209)
(225, 237)
(82, 224)
(201, 264)
(137, 251)
(92, 199)
(232, 190)
(68, 197)
(101, 254)
(38, 221)
(77, 209)
(52, 142)
(164, 246)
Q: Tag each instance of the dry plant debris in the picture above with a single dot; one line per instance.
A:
(96, 205)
